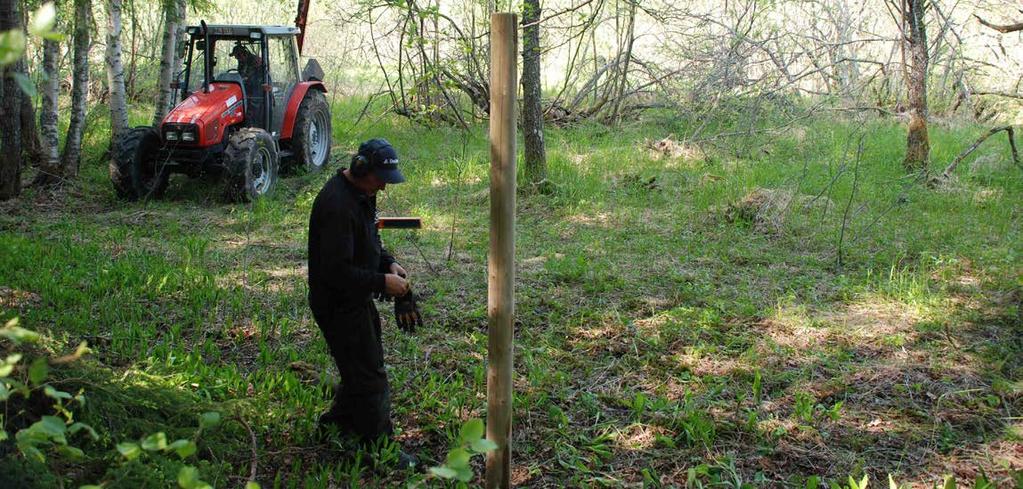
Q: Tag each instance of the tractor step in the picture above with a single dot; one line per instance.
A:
(286, 153)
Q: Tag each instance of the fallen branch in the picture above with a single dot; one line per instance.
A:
(947, 174)
(1001, 94)
(255, 455)
(1004, 29)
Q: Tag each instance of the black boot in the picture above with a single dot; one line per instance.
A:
(333, 416)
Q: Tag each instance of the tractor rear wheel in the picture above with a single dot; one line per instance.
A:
(312, 137)
(136, 170)
(251, 161)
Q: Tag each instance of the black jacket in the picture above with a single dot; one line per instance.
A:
(347, 262)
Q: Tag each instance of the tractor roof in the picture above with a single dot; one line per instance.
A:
(244, 30)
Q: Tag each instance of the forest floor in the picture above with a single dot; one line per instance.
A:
(766, 311)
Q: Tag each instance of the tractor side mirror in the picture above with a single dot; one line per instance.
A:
(200, 45)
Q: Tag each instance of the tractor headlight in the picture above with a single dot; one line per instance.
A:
(188, 136)
(171, 135)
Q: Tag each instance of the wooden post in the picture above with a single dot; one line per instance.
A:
(501, 263)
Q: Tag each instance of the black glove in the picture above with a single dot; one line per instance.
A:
(406, 312)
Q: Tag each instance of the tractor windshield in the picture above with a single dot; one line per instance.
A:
(232, 60)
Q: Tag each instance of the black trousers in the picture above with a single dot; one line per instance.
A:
(362, 405)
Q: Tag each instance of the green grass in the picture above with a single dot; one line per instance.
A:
(658, 342)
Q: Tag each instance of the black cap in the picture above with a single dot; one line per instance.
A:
(383, 160)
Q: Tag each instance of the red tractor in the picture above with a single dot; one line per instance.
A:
(245, 110)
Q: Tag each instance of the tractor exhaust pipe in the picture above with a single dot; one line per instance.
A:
(300, 21)
(207, 67)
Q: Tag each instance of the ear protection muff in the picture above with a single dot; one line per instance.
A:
(359, 166)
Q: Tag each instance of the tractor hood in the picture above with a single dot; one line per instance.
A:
(211, 113)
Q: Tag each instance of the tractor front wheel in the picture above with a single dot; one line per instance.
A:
(136, 170)
(251, 161)
(312, 137)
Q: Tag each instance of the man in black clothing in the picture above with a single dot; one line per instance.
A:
(347, 267)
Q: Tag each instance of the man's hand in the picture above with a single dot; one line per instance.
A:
(395, 285)
(399, 270)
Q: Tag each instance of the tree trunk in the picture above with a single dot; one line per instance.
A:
(115, 72)
(10, 112)
(49, 171)
(532, 112)
(918, 144)
(70, 160)
(167, 59)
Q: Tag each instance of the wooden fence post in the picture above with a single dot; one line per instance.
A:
(501, 263)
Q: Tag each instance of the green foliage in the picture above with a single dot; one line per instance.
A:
(470, 442)
(13, 42)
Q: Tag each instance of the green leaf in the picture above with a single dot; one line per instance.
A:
(43, 20)
(55, 394)
(444, 472)
(3, 435)
(154, 442)
(129, 450)
(457, 458)
(950, 482)
(471, 430)
(25, 84)
(252, 485)
(209, 420)
(11, 330)
(75, 428)
(49, 428)
(188, 478)
(38, 371)
(813, 482)
(31, 452)
(482, 445)
(464, 474)
(70, 452)
(4, 393)
(90, 486)
(12, 46)
(891, 483)
(184, 448)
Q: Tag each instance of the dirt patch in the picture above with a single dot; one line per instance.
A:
(18, 299)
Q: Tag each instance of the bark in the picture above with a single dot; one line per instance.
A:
(31, 151)
(532, 112)
(170, 60)
(115, 72)
(10, 112)
(168, 57)
(49, 152)
(918, 143)
(71, 158)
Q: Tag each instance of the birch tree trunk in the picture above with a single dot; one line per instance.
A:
(115, 72)
(49, 170)
(72, 155)
(918, 146)
(10, 112)
(167, 59)
(532, 112)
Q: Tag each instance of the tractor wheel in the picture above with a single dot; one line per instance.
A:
(135, 168)
(312, 137)
(251, 161)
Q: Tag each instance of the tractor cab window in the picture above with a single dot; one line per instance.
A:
(283, 74)
(232, 60)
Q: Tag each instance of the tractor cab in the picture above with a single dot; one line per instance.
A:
(261, 61)
(244, 110)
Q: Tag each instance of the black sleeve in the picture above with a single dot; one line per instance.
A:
(386, 258)
(337, 251)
